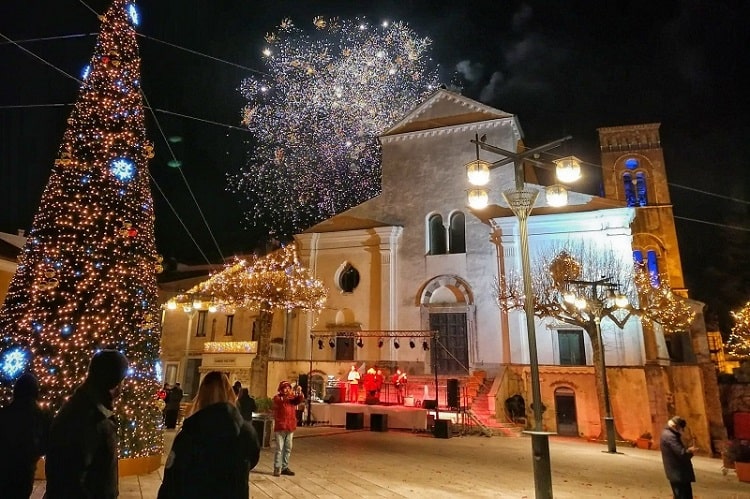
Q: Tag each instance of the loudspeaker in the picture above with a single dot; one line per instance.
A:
(302, 381)
(453, 393)
(429, 404)
(355, 420)
(378, 422)
(443, 428)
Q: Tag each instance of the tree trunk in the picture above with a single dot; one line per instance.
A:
(259, 366)
(599, 375)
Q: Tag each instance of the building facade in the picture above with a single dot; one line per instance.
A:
(415, 259)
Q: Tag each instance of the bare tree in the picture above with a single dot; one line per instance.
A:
(595, 277)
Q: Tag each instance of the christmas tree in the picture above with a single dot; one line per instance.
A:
(86, 278)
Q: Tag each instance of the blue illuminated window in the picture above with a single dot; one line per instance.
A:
(631, 163)
(638, 256)
(627, 180)
(652, 264)
(640, 188)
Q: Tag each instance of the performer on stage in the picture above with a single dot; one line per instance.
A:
(379, 378)
(399, 381)
(353, 385)
(371, 387)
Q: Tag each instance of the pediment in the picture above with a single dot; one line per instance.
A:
(445, 108)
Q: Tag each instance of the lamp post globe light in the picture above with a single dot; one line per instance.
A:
(521, 201)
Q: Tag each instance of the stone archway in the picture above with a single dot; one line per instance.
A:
(447, 306)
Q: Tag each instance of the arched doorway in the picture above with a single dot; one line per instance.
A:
(447, 306)
(565, 409)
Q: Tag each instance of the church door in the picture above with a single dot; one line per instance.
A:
(453, 356)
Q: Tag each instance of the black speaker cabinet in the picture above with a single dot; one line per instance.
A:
(355, 420)
(453, 393)
(378, 422)
(429, 404)
(443, 428)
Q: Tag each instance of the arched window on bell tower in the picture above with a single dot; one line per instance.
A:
(634, 183)
(651, 261)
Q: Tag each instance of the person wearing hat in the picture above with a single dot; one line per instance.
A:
(82, 455)
(24, 430)
(677, 459)
(285, 422)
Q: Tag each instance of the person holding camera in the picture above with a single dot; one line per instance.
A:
(285, 422)
(677, 459)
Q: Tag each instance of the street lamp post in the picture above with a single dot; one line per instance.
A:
(521, 201)
(599, 307)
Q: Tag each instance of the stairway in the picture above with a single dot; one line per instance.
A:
(474, 396)
(480, 410)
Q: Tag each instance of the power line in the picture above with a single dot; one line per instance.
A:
(44, 61)
(182, 174)
(152, 178)
(195, 52)
(163, 111)
(48, 38)
(671, 184)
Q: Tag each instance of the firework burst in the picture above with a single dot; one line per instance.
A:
(317, 114)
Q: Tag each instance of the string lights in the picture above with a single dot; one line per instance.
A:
(739, 339)
(86, 278)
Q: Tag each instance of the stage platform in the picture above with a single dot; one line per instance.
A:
(399, 417)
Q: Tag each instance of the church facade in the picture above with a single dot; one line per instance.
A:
(416, 259)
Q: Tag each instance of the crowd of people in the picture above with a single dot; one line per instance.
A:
(217, 437)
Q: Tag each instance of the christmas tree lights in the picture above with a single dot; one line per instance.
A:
(86, 278)
(317, 115)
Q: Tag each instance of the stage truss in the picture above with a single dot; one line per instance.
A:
(353, 333)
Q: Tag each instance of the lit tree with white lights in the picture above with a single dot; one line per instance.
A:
(277, 281)
(86, 278)
(317, 114)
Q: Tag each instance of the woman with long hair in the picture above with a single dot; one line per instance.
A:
(214, 452)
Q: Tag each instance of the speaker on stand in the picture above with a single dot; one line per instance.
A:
(453, 399)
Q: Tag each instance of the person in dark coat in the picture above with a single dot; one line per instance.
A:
(172, 406)
(82, 456)
(246, 404)
(214, 452)
(24, 432)
(677, 459)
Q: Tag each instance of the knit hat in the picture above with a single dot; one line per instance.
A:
(26, 387)
(107, 369)
(284, 384)
(678, 422)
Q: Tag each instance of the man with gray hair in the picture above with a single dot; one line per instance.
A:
(677, 459)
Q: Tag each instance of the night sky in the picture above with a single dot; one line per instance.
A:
(564, 67)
